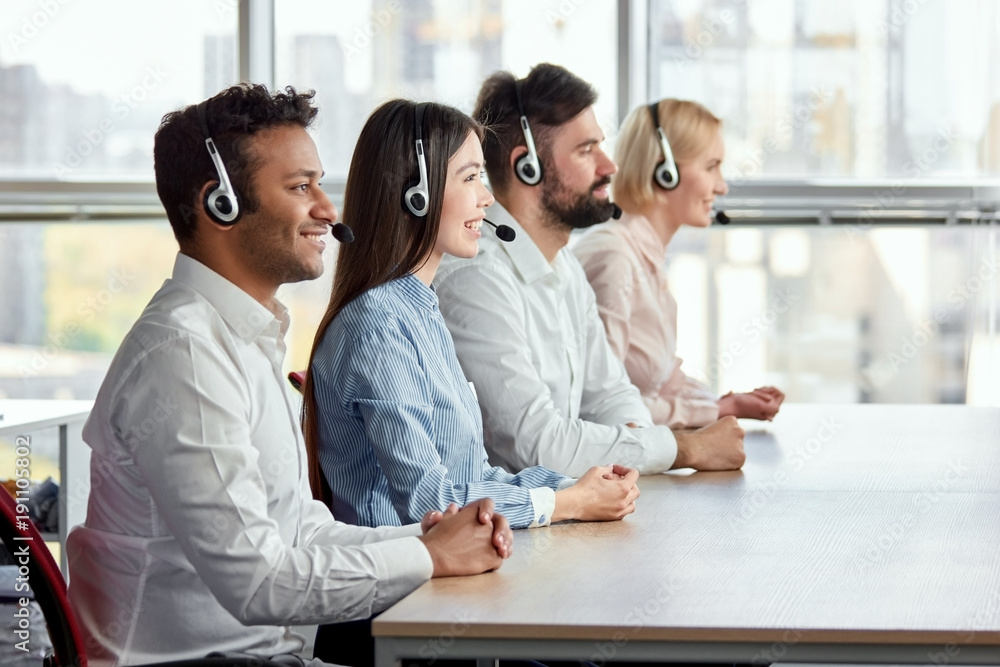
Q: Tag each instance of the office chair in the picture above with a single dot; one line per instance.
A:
(49, 587)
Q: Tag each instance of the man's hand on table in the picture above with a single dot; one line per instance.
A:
(718, 446)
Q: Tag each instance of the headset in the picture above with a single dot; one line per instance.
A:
(417, 197)
(221, 203)
(528, 167)
(666, 174)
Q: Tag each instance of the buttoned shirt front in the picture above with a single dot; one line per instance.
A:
(528, 335)
(400, 429)
(201, 533)
(625, 264)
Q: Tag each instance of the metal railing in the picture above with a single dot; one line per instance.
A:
(752, 203)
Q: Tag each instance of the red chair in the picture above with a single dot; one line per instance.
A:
(49, 587)
(297, 379)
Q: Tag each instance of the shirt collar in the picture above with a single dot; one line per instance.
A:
(246, 316)
(422, 295)
(644, 238)
(528, 260)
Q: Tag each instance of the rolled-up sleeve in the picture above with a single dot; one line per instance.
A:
(691, 405)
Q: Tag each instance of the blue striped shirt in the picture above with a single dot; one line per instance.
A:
(400, 429)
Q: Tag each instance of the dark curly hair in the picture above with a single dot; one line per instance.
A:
(181, 161)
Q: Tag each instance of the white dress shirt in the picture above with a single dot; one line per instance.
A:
(201, 533)
(529, 338)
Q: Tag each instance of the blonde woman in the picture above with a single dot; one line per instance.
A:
(669, 155)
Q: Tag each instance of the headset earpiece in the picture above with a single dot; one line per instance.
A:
(417, 198)
(665, 174)
(221, 202)
(528, 167)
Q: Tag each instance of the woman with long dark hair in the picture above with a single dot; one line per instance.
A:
(392, 426)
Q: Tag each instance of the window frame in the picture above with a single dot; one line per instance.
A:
(759, 202)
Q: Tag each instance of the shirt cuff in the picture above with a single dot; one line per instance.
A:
(543, 501)
(692, 413)
(409, 530)
(401, 566)
(659, 449)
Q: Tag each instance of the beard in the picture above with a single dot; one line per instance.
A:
(270, 249)
(576, 210)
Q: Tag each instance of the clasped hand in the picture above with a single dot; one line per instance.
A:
(761, 403)
(469, 540)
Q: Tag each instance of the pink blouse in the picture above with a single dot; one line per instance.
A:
(624, 261)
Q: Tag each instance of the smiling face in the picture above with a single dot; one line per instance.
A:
(701, 182)
(577, 173)
(465, 197)
(282, 241)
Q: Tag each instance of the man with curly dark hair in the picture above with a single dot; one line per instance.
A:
(201, 532)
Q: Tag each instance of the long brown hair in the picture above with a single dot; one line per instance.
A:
(389, 241)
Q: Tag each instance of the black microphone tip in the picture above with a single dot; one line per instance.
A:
(721, 217)
(503, 232)
(342, 233)
(616, 211)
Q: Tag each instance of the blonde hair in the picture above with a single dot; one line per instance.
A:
(690, 129)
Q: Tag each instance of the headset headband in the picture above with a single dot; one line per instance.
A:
(417, 198)
(528, 167)
(221, 203)
(665, 174)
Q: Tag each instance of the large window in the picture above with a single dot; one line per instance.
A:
(69, 294)
(82, 89)
(849, 112)
(840, 314)
(359, 54)
(83, 85)
(846, 114)
(861, 89)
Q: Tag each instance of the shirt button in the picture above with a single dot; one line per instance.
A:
(541, 519)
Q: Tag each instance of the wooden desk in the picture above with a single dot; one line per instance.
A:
(854, 533)
(24, 417)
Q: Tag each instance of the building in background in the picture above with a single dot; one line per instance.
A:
(862, 90)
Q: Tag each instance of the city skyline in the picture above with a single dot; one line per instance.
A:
(802, 92)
